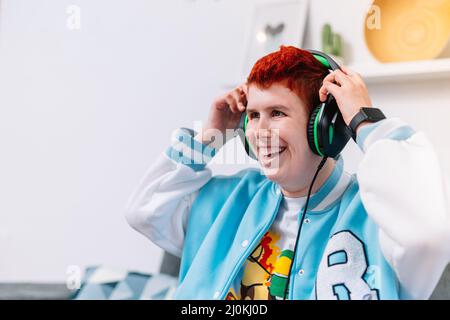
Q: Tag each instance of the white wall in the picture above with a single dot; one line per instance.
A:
(83, 113)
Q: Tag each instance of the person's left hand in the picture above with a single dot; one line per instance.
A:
(349, 90)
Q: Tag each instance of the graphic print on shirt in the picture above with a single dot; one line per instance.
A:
(265, 272)
(344, 273)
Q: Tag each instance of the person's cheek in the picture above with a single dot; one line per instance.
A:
(251, 137)
(298, 150)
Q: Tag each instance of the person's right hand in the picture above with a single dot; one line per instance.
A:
(226, 111)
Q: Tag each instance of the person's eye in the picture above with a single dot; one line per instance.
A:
(277, 113)
(253, 115)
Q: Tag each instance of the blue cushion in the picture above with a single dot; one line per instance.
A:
(102, 283)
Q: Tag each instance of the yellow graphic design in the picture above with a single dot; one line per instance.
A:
(265, 272)
(280, 275)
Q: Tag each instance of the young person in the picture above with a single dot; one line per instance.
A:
(380, 234)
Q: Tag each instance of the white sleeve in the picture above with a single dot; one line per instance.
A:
(159, 206)
(403, 190)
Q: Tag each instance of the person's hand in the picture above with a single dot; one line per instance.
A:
(225, 112)
(349, 90)
(226, 109)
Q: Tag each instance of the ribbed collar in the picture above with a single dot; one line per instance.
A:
(330, 191)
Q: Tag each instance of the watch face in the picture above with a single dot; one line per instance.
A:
(373, 114)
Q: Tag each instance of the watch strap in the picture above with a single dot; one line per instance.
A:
(372, 115)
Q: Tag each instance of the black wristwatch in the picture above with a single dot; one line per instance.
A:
(365, 114)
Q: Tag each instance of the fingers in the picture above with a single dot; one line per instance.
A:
(340, 77)
(349, 90)
(331, 78)
(332, 88)
(236, 100)
(240, 99)
(346, 70)
(337, 76)
(232, 103)
(323, 93)
(352, 74)
(244, 88)
(243, 101)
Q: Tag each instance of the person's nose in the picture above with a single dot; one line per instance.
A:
(263, 126)
(264, 132)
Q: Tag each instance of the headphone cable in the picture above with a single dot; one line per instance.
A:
(320, 166)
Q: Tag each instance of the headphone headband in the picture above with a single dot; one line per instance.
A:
(325, 59)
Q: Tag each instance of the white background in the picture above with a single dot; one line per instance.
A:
(85, 112)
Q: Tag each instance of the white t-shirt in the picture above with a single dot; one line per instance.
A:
(264, 275)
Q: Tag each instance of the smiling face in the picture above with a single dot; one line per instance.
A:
(276, 131)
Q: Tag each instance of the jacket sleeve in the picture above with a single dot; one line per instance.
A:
(159, 206)
(403, 190)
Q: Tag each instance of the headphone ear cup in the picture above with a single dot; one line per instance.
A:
(247, 144)
(311, 131)
(243, 125)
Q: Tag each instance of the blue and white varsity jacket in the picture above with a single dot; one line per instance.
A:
(383, 233)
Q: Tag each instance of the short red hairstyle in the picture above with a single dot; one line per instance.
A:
(295, 68)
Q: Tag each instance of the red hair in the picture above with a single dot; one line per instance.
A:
(295, 68)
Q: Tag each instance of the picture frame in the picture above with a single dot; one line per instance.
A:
(274, 23)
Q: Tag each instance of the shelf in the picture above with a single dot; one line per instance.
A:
(402, 71)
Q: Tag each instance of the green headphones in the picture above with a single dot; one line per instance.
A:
(327, 132)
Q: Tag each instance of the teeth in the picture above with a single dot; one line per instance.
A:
(270, 154)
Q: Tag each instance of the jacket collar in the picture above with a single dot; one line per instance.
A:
(330, 191)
